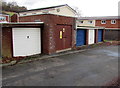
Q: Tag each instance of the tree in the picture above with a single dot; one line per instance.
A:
(78, 12)
(12, 6)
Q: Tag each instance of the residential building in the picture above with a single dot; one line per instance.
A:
(111, 24)
(4, 18)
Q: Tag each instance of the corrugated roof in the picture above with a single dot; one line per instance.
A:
(99, 18)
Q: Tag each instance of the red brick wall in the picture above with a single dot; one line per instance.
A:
(7, 42)
(14, 18)
(108, 24)
(7, 18)
(49, 32)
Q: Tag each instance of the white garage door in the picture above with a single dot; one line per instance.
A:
(26, 41)
(91, 36)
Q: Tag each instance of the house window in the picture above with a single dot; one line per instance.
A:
(90, 22)
(113, 21)
(2, 18)
(103, 21)
(81, 22)
(33, 13)
(24, 14)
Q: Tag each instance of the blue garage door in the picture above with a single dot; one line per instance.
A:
(81, 37)
(100, 35)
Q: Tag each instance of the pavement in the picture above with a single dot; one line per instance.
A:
(93, 67)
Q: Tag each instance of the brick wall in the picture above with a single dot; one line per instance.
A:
(108, 24)
(7, 42)
(14, 18)
(7, 18)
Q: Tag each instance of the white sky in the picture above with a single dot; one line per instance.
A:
(87, 7)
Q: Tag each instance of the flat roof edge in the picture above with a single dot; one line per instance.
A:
(90, 27)
(25, 23)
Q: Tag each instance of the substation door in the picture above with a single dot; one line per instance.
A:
(63, 37)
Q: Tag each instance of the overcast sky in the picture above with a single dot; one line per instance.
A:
(87, 7)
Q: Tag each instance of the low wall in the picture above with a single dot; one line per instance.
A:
(112, 34)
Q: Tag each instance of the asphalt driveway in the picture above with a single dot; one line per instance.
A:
(94, 67)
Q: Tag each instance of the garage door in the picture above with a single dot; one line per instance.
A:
(91, 36)
(81, 37)
(26, 41)
(100, 34)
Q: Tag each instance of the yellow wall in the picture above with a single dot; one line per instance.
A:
(85, 23)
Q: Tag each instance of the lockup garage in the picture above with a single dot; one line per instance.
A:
(86, 35)
(21, 39)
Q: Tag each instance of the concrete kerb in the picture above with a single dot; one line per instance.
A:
(47, 56)
(42, 57)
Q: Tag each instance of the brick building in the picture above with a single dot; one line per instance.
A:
(56, 34)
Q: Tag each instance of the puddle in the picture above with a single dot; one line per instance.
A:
(113, 54)
(110, 53)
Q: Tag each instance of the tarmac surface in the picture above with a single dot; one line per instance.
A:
(94, 67)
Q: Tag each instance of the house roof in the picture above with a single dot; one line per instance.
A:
(99, 18)
(2, 13)
(8, 13)
(48, 8)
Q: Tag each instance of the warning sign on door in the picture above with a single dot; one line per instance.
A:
(60, 34)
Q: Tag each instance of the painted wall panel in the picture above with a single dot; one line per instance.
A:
(26, 41)
(85, 23)
(91, 38)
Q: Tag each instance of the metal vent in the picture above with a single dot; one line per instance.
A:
(58, 10)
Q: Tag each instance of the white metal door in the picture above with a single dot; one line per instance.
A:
(91, 38)
(26, 41)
